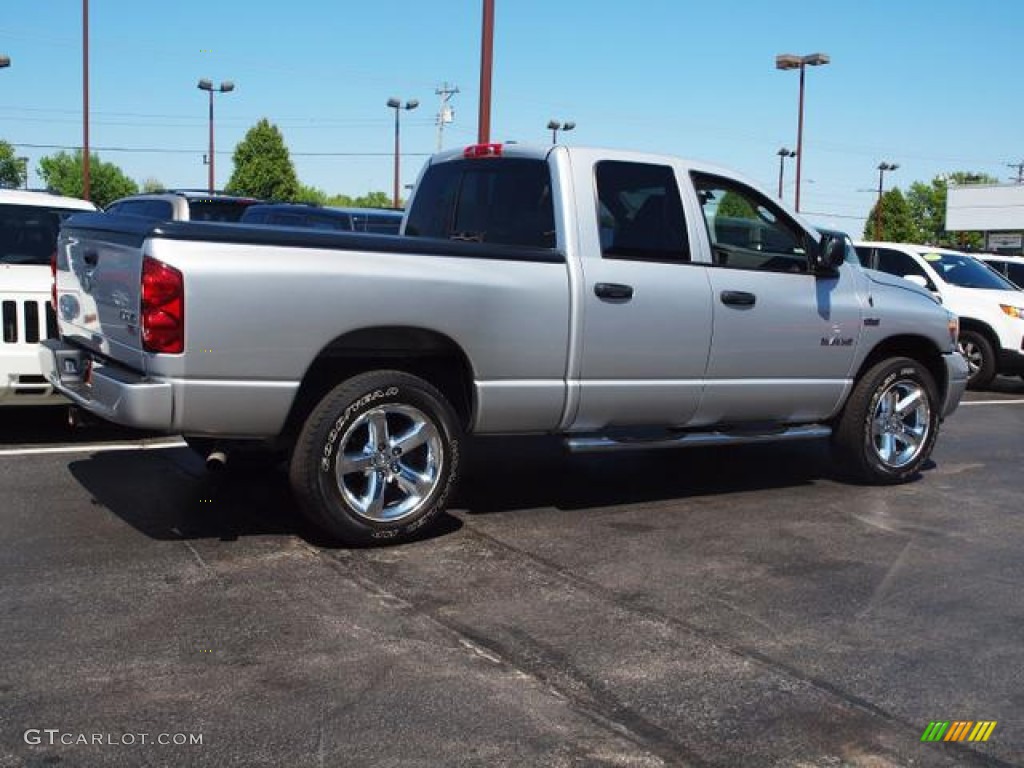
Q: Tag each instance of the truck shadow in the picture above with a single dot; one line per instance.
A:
(48, 424)
(169, 495)
(506, 474)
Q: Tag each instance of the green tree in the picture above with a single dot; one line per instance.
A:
(373, 200)
(340, 201)
(890, 219)
(62, 172)
(928, 209)
(153, 185)
(263, 167)
(735, 207)
(312, 195)
(13, 172)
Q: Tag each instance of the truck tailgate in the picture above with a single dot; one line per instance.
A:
(99, 268)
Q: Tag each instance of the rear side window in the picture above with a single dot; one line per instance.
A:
(28, 234)
(216, 210)
(1016, 274)
(640, 213)
(503, 200)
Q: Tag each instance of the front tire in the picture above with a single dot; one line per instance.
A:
(981, 359)
(890, 423)
(377, 459)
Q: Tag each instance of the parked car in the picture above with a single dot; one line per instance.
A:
(604, 296)
(376, 220)
(29, 222)
(184, 205)
(990, 307)
(1010, 267)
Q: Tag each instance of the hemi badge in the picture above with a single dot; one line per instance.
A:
(872, 322)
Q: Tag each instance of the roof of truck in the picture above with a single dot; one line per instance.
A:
(27, 197)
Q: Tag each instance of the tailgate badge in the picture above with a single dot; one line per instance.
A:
(69, 307)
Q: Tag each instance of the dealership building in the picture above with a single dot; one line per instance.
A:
(997, 210)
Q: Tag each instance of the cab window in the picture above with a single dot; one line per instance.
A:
(747, 230)
(640, 213)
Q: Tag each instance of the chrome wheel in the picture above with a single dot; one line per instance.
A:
(900, 423)
(974, 355)
(389, 462)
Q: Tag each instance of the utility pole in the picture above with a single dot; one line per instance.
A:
(444, 113)
(1020, 170)
(486, 67)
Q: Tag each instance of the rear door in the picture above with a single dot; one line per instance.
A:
(646, 305)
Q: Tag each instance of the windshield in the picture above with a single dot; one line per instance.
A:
(28, 233)
(967, 272)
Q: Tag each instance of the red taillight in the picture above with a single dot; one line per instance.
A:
(163, 308)
(53, 283)
(482, 150)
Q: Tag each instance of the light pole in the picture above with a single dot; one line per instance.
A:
(554, 126)
(790, 61)
(783, 153)
(398, 106)
(882, 168)
(224, 87)
(86, 177)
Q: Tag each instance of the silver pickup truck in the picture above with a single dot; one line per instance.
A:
(622, 300)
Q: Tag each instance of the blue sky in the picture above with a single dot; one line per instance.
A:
(933, 86)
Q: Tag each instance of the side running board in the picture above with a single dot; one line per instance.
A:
(603, 443)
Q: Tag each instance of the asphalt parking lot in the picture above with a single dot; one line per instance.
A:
(721, 607)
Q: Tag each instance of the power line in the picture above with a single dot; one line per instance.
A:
(166, 151)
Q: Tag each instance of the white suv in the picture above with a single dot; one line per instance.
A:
(29, 222)
(991, 308)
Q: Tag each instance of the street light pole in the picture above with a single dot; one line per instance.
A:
(783, 154)
(397, 105)
(85, 101)
(555, 126)
(882, 168)
(790, 61)
(225, 87)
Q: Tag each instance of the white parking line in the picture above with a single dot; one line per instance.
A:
(991, 402)
(95, 447)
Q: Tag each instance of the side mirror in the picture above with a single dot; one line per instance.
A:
(916, 280)
(830, 253)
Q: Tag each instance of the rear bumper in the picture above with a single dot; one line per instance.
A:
(223, 408)
(112, 393)
(956, 378)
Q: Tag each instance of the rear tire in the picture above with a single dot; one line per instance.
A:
(981, 359)
(889, 425)
(377, 459)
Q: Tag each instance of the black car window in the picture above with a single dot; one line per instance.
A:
(499, 200)
(640, 213)
(217, 210)
(900, 264)
(747, 230)
(1015, 273)
(28, 233)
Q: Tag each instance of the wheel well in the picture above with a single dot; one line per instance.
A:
(969, 324)
(432, 356)
(916, 347)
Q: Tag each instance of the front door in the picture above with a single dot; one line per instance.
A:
(783, 339)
